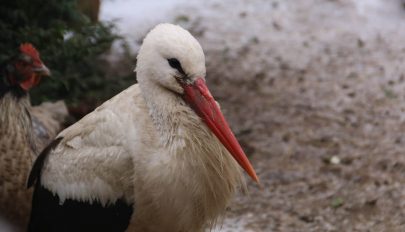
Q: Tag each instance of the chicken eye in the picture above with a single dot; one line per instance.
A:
(175, 63)
(27, 59)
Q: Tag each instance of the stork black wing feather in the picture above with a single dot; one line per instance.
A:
(49, 214)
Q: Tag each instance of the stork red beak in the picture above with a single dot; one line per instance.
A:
(200, 99)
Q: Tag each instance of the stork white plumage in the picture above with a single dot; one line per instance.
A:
(159, 156)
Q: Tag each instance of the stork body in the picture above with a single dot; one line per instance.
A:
(148, 148)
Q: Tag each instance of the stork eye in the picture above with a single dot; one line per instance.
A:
(175, 63)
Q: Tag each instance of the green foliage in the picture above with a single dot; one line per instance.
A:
(337, 202)
(69, 44)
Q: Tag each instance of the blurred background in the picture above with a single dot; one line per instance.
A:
(313, 89)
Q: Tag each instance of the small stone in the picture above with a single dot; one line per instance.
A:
(335, 160)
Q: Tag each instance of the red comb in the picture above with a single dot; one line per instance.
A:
(28, 49)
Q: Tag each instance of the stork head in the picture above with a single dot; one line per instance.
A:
(172, 58)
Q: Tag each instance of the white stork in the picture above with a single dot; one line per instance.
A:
(159, 156)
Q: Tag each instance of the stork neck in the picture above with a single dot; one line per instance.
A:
(203, 164)
(168, 111)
